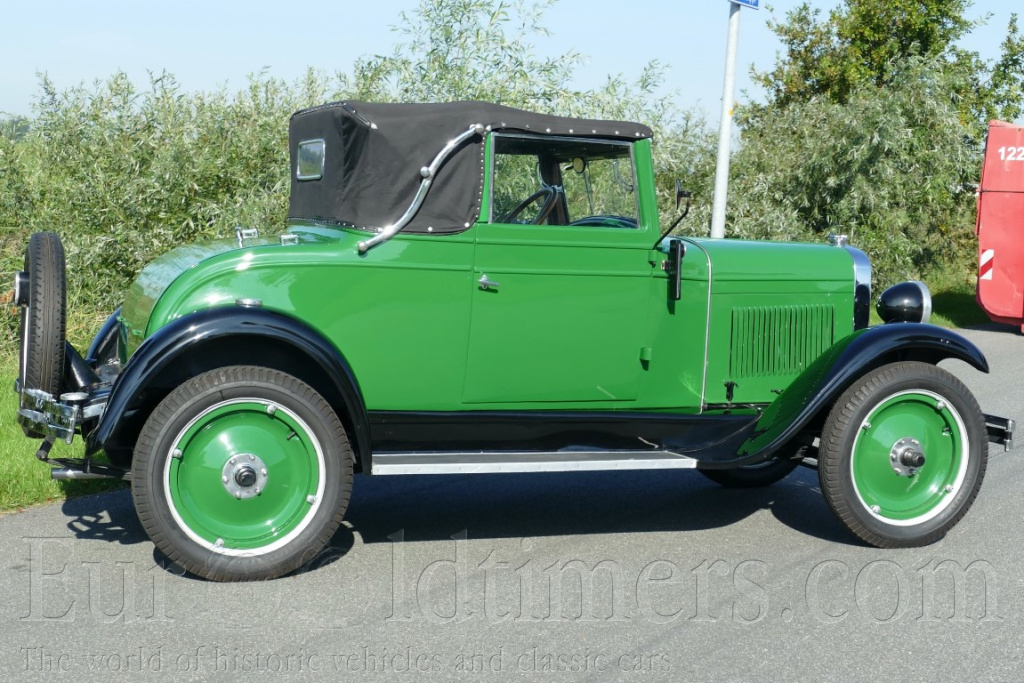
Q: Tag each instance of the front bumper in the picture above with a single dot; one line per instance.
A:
(58, 417)
(1000, 430)
(86, 385)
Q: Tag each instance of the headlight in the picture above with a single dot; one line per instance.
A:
(907, 302)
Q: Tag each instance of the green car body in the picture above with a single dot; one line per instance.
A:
(589, 326)
(494, 336)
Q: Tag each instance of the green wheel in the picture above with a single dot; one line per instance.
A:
(242, 473)
(903, 455)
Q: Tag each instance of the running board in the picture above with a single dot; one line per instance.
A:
(526, 461)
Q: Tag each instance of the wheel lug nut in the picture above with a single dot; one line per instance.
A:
(176, 453)
(876, 509)
(949, 488)
(271, 409)
(941, 405)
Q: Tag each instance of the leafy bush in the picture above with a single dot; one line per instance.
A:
(892, 168)
(122, 175)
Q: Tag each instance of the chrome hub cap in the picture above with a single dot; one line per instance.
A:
(906, 457)
(244, 476)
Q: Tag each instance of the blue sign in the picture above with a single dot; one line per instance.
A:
(752, 4)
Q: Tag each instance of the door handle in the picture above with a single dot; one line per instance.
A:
(486, 284)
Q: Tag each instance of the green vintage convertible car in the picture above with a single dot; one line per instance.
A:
(467, 288)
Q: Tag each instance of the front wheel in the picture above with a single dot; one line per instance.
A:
(242, 473)
(903, 455)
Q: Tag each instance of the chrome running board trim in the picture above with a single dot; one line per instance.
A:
(476, 462)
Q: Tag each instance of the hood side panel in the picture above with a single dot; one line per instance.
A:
(775, 308)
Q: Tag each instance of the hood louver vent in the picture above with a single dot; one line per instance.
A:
(778, 340)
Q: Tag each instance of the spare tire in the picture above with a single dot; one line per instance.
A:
(43, 314)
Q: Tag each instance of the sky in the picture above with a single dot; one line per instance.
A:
(206, 45)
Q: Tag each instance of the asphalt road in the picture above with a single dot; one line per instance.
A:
(592, 576)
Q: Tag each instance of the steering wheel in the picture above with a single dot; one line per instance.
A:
(606, 221)
(548, 192)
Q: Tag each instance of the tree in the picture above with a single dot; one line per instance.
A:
(480, 50)
(873, 127)
(889, 167)
(14, 128)
(870, 43)
(1004, 90)
(462, 49)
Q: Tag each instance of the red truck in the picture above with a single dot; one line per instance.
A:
(1000, 227)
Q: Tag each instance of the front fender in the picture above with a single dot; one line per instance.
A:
(818, 387)
(173, 349)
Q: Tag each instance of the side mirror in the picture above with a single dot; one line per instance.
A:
(682, 194)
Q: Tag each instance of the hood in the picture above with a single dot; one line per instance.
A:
(744, 265)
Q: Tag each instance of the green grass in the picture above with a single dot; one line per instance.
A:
(953, 299)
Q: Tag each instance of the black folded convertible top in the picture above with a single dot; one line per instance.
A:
(374, 153)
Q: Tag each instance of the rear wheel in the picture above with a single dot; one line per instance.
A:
(242, 473)
(41, 293)
(903, 455)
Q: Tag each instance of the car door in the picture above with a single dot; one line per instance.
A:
(559, 306)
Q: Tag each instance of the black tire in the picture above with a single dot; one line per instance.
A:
(209, 419)
(43, 326)
(753, 476)
(903, 404)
